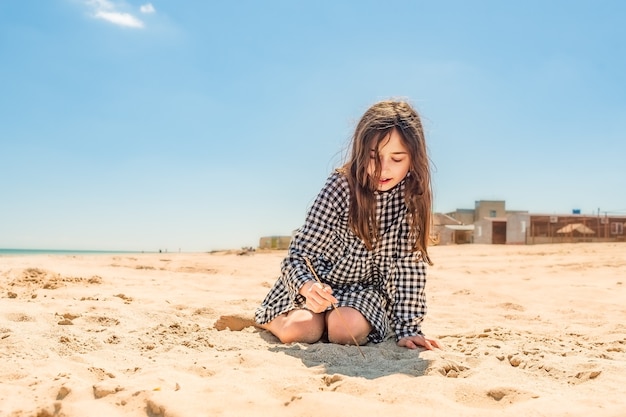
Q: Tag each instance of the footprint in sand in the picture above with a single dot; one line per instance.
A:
(331, 379)
(499, 397)
(19, 317)
(234, 322)
(447, 368)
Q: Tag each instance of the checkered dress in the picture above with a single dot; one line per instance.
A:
(386, 284)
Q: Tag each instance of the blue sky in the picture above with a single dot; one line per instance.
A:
(198, 125)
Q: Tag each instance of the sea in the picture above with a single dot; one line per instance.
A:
(62, 252)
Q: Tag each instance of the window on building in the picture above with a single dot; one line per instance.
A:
(617, 228)
(492, 213)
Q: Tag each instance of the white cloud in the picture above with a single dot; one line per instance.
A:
(121, 19)
(147, 8)
(107, 10)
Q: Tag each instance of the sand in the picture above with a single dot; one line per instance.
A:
(528, 331)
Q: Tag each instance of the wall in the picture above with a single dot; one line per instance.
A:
(465, 216)
(517, 228)
(482, 232)
(485, 207)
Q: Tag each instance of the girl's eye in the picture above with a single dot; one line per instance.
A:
(397, 160)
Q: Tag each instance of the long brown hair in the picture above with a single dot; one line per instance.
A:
(373, 128)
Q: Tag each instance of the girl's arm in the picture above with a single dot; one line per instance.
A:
(409, 306)
(408, 279)
(312, 239)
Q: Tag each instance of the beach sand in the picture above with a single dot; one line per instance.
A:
(528, 331)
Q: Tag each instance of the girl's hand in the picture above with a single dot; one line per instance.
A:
(412, 342)
(318, 296)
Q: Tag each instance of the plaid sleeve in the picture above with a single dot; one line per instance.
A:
(315, 235)
(408, 279)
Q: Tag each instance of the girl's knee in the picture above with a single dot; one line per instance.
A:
(343, 337)
(300, 333)
(348, 326)
(298, 326)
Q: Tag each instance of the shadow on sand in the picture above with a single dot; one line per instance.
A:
(380, 359)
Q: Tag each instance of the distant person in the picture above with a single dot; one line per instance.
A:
(366, 237)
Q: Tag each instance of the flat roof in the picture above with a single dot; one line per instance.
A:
(460, 226)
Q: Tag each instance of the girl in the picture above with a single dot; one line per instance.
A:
(366, 238)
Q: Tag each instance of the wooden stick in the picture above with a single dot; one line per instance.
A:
(308, 263)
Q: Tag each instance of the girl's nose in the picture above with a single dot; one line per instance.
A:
(384, 163)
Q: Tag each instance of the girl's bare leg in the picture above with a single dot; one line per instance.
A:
(297, 326)
(344, 322)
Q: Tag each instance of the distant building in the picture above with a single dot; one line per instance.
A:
(465, 216)
(551, 228)
(275, 242)
(448, 230)
(493, 224)
(488, 221)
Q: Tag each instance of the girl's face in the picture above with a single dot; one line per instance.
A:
(394, 161)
